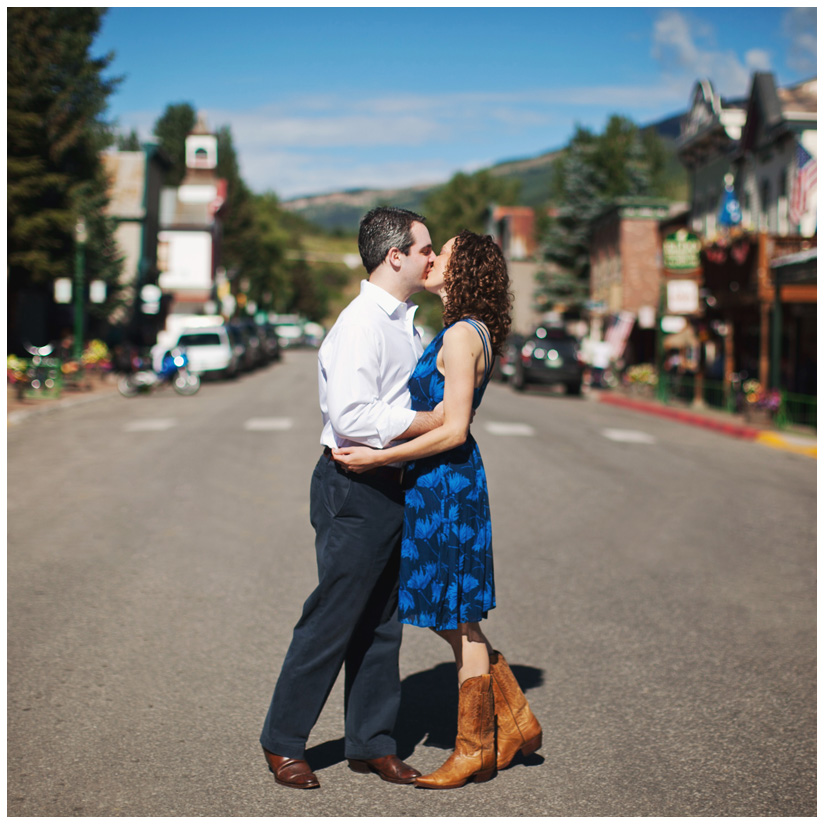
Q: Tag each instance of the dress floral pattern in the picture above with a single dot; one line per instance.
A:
(446, 548)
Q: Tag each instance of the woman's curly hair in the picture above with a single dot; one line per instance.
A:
(477, 285)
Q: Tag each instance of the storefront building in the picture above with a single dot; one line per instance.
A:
(753, 209)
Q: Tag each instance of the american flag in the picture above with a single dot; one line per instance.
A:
(804, 180)
(617, 334)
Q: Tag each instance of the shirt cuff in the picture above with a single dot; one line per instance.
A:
(400, 420)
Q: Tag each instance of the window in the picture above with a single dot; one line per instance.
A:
(765, 204)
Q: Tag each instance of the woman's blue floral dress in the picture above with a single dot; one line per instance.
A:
(446, 548)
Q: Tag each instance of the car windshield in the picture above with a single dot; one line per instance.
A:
(200, 339)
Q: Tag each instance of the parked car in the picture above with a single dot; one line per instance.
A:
(313, 334)
(242, 346)
(272, 346)
(290, 329)
(549, 356)
(210, 351)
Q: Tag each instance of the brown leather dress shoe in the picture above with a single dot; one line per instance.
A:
(389, 768)
(291, 773)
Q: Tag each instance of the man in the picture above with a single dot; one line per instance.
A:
(364, 365)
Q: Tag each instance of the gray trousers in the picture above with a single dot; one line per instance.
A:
(350, 619)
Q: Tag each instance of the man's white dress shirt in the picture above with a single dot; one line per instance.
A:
(364, 367)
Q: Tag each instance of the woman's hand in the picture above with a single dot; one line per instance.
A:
(357, 459)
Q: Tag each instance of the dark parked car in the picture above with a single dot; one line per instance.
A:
(254, 340)
(549, 356)
(269, 338)
(243, 347)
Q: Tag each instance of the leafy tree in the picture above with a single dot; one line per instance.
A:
(266, 267)
(171, 129)
(463, 203)
(56, 94)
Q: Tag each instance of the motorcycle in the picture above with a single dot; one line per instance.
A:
(174, 370)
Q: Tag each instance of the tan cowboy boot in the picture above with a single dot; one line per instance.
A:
(474, 756)
(518, 729)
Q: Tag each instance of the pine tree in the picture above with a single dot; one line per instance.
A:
(578, 186)
(171, 130)
(56, 96)
(128, 143)
(592, 173)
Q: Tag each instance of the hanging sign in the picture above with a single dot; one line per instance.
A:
(681, 250)
(682, 297)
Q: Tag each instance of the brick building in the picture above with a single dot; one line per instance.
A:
(625, 275)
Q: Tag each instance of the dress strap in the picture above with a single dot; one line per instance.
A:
(481, 329)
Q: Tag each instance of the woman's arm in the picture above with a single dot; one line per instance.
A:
(461, 352)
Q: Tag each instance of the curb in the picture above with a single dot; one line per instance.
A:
(801, 446)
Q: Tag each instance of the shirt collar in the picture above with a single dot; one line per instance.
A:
(382, 298)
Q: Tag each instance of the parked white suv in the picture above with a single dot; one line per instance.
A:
(209, 350)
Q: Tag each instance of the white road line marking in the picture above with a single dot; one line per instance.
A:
(629, 436)
(149, 425)
(505, 428)
(268, 424)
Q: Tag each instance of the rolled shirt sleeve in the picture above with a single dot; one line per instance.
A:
(364, 400)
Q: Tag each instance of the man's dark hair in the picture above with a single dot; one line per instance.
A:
(382, 229)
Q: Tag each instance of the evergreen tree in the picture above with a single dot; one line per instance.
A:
(129, 143)
(592, 173)
(579, 187)
(171, 129)
(56, 94)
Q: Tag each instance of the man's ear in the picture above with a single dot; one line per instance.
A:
(394, 257)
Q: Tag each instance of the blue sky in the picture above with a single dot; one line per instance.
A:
(323, 99)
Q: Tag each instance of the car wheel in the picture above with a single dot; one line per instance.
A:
(574, 389)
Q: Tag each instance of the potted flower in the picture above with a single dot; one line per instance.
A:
(642, 379)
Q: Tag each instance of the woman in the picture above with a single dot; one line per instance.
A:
(446, 579)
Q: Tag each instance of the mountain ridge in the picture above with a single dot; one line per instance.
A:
(341, 211)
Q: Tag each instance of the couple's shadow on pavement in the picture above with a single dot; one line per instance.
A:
(429, 702)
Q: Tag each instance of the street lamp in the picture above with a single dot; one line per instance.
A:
(81, 236)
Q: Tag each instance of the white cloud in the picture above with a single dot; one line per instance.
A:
(687, 51)
(324, 143)
(799, 27)
(291, 174)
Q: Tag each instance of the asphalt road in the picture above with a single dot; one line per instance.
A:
(656, 589)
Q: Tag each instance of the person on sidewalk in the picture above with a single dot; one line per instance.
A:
(350, 619)
(446, 553)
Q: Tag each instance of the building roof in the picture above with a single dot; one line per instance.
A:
(798, 100)
(711, 125)
(772, 111)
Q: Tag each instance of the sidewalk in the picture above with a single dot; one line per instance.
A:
(800, 440)
(18, 409)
